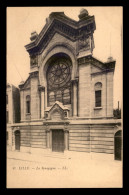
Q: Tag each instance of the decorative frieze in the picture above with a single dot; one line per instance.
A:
(84, 43)
(79, 31)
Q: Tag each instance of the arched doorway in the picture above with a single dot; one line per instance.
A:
(117, 145)
(17, 140)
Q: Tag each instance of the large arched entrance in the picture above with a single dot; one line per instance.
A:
(17, 140)
(117, 145)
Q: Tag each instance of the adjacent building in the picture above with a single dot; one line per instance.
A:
(67, 100)
(12, 110)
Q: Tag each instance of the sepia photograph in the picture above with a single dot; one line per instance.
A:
(64, 106)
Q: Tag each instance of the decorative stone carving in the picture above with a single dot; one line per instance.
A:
(66, 131)
(41, 88)
(57, 111)
(75, 81)
(47, 131)
(65, 126)
(34, 74)
(73, 30)
(84, 43)
(33, 60)
(98, 86)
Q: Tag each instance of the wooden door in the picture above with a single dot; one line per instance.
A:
(57, 140)
(17, 140)
(118, 146)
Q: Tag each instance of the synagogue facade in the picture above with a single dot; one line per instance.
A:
(67, 99)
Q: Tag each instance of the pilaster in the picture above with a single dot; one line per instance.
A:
(42, 99)
(75, 97)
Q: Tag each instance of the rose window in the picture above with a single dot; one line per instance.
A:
(58, 81)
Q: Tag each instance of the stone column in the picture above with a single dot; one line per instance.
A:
(66, 133)
(42, 95)
(13, 140)
(75, 97)
(66, 139)
(48, 136)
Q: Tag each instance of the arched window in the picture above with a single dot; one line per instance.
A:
(98, 94)
(28, 104)
(17, 140)
(58, 80)
(118, 145)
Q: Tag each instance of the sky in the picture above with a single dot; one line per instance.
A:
(21, 21)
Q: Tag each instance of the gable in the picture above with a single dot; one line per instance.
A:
(26, 84)
(56, 111)
(95, 69)
(58, 22)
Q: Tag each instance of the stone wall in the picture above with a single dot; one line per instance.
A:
(102, 138)
(97, 137)
(110, 94)
(23, 94)
(33, 136)
(35, 99)
(79, 138)
(84, 90)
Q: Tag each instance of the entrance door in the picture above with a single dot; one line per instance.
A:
(58, 141)
(17, 140)
(117, 145)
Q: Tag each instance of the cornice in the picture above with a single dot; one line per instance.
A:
(103, 72)
(50, 122)
(105, 66)
(66, 27)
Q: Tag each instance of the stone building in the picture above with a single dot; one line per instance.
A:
(67, 100)
(12, 110)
